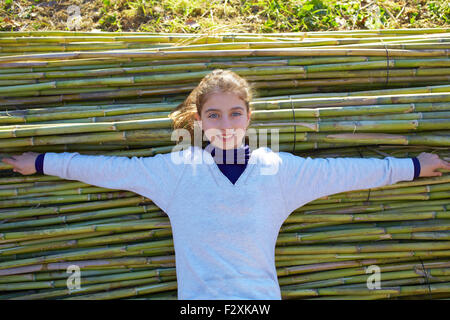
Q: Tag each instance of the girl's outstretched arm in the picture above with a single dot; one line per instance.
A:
(307, 179)
(153, 177)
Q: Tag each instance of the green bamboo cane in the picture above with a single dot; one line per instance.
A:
(154, 223)
(344, 282)
(83, 254)
(87, 242)
(59, 275)
(94, 264)
(129, 292)
(347, 270)
(65, 199)
(92, 215)
(101, 287)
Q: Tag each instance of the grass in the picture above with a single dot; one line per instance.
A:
(200, 16)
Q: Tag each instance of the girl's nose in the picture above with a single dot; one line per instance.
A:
(225, 123)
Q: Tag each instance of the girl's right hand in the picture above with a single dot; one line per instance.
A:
(24, 164)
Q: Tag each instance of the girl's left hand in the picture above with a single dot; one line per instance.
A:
(430, 162)
(24, 164)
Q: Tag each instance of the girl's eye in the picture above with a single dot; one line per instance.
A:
(237, 114)
(213, 115)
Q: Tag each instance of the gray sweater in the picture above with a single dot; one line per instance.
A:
(224, 234)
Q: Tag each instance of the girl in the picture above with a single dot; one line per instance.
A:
(225, 217)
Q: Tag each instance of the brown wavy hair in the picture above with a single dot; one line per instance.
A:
(224, 81)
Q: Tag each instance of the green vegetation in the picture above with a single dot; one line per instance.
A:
(210, 16)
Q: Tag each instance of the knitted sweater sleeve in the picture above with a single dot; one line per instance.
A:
(154, 177)
(305, 179)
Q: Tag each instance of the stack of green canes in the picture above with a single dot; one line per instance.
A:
(368, 94)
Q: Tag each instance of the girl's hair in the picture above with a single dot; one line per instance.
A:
(223, 81)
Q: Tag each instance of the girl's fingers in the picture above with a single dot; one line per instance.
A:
(8, 160)
(445, 162)
(435, 174)
(445, 165)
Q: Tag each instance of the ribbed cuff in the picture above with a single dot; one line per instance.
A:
(39, 163)
(416, 167)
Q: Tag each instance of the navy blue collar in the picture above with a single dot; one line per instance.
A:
(238, 156)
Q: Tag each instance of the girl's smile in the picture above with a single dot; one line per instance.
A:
(224, 119)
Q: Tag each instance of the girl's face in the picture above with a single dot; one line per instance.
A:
(224, 119)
